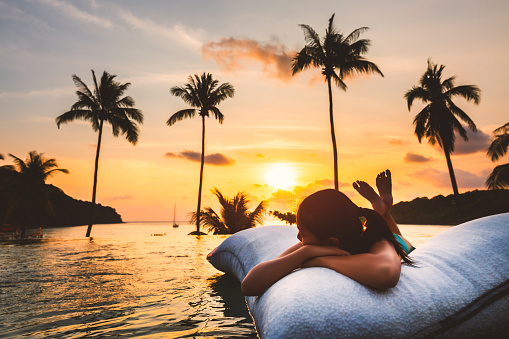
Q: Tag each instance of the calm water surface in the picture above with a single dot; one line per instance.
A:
(126, 282)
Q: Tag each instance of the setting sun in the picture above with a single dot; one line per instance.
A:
(280, 176)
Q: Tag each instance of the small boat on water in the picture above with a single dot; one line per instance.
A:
(174, 212)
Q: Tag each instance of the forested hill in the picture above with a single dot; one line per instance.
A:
(441, 210)
(68, 212)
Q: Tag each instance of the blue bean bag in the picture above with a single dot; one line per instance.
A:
(459, 288)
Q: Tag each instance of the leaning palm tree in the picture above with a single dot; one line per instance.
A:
(499, 177)
(339, 57)
(438, 120)
(203, 94)
(104, 104)
(234, 215)
(23, 185)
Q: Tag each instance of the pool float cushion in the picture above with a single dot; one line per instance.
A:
(458, 289)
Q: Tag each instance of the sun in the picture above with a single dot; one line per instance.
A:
(280, 176)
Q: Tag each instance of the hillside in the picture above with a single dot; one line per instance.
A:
(441, 210)
(68, 212)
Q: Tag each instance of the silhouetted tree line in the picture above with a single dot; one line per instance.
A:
(288, 217)
(441, 210)
(67, 211)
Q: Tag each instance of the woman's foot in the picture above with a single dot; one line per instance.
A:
(369, 193)
(384, 185)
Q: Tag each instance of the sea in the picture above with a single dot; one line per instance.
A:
(135, 279)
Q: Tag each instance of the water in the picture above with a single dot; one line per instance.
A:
(126, 282)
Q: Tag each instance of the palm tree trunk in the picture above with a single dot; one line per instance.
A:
(89, 229)
(201, 175)
(333, 135)
(454, 186)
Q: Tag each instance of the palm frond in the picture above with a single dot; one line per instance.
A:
(469, 92)
(181, 115)
(18, 163)
(416, 93)
(217, 114)
(462, 115)
(499, 178)
(498, 147)
(421, 123)
(72, 115)
(502, 129)
(258, 214)
(354, 36)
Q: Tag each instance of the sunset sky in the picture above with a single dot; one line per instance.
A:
(275, 124)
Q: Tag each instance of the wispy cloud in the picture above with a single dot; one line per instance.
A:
(412, 157)
(74, 12)
(123, 197)
(7, 11)
(228, 52)
(441, 179)
(477, 142)
(58, 91)
(217, 159)
(176, 33)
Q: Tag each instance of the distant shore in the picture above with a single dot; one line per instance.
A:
(441, 210)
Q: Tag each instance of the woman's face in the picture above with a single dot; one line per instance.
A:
(306, 237)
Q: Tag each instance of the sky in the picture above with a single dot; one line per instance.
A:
(274, 143)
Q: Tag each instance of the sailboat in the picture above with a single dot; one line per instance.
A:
(174, 212)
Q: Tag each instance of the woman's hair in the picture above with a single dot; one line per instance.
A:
(331, 214)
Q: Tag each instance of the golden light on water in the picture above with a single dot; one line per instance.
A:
(280, 175)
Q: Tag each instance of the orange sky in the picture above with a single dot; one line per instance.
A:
(273, 119)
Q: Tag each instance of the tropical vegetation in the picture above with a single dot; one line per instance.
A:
(23, 189)
(104, 104)
(287, 217)
(338, 57)
(203, 93)
(440, 210)
(233, 216)
(438, 120)
(499, 177)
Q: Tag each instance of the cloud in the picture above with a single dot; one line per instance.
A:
(123, 197)
(72, 11)
(227, 53)
(176, 33)
(442, 179)
(287, 200)
(217, 159)
(395, 141)
(412, 157)
(12, 13)
(477, 142)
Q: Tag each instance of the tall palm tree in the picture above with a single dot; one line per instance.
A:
(438, 120)
(234, 215)
(23, 185)
(338, 56)
(499, 177)
(104, 104)
(203, 94)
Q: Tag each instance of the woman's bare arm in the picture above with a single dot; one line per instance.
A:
(265, 274)
(380, 268)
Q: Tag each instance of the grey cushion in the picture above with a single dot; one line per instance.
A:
(459, 288)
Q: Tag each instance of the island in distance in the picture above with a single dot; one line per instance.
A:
(442, 210)
(67, 212)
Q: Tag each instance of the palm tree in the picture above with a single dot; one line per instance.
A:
(105, 104)
(338, 56)
(499, 177)
(234, 214)
(438, 120)
(203, 94)
(23, 185)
